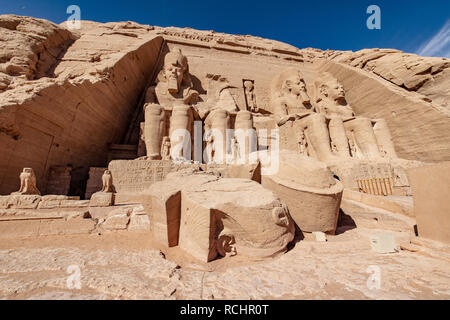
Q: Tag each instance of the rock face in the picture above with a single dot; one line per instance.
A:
(31, 47)
(82, 103)
(156, 106)
(428, 76)
(209, 216)
(96, 78)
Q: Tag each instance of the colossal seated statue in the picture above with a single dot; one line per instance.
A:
(328, 129)
(330, 98)
(289, 97)
(294, 113)
(169, 103)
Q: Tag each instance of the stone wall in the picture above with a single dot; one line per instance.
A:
(134, 176)
(59, 180)
(431, 189)
(94, 183)
(76, 114)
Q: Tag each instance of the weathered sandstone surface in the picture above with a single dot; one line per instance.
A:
(65, 95)
(217, 151)
(129, 266)
(209, 216)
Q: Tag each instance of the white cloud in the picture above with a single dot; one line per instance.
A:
(438, 45)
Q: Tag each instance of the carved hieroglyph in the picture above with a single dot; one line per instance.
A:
(27, 182)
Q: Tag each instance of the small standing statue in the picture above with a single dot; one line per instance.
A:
(334, 148)
(250, 96)
(165, 148)
(107, 182)
(28, 182)
(302, 144)
(354, 150)
(236, 150)
(210, 149)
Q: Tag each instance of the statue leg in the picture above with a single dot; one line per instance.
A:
(364, 136)
(153, 130)
(316, 129)
(339, 137)
(384, 138)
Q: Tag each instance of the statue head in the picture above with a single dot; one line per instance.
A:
(294, 85)
(333, 90)
(175, 67)
(107, 172)
(248, 85)
(166, 140)
(290, 83)
(280, 216)
(28, 170)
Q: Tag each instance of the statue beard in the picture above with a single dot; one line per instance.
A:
(340, 99)
(172, 85)
(304, 98)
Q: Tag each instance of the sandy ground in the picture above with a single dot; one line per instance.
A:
(125, 265)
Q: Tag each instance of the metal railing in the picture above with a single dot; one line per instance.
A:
(375, 186)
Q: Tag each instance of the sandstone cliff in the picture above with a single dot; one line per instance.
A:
(66, 95)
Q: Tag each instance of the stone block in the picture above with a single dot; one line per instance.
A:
(162, 202)
(118, 221)
(311, 193)
(19, 228)
(139, 222)
(102, 199)
(65, 227)
(4, 202)
(383, 243)
(24, 201)
(218, 216)
(319, 236)
(431, 188)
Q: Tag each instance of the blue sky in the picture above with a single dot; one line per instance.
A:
(412, 26)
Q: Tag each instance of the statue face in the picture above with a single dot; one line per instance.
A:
(280, 216)
(295, 85)
(336, 91)
(248, 85)
(174, 69)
